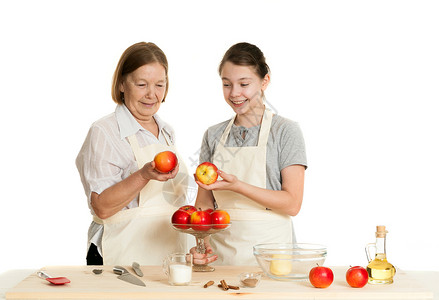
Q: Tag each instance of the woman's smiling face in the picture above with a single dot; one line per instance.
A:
(144, 90)
(242, 87)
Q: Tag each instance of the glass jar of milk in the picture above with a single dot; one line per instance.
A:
(178, 268)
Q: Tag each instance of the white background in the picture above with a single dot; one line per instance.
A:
(361, 78)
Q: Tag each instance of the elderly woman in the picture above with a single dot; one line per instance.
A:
(131, 202)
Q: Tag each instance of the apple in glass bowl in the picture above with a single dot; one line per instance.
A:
(182, 216)
(200, 220)
(220, 219)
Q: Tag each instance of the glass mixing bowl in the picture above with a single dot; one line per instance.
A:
(289, 261)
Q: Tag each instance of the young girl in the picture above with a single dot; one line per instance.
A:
(262, 161)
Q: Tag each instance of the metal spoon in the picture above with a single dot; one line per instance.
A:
(136, 268)
(53, 280)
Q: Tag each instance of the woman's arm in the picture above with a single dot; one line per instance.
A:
(287, 201)
(114, 198)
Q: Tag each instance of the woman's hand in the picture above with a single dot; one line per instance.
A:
(230, 182)
(203, 259)
(117, 196)
(149, 172)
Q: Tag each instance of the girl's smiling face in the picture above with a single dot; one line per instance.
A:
(144, 90)
(243, 88)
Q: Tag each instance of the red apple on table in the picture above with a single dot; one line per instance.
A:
(165, 161)
(200, 220)
(206, 173)
(321, 277)
(220, 219)
(181, 217)
(357, 277)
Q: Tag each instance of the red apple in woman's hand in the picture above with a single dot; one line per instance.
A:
(357, 277)
(321, 277)
(165, 161)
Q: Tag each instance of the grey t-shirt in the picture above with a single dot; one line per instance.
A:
(285, 146)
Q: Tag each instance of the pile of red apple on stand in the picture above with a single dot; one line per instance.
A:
(189, 216)
(322, 277)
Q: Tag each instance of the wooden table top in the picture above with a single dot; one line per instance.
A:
(87, 285)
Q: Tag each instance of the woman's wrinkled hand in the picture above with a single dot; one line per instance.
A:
(203, 259)
(148, 172)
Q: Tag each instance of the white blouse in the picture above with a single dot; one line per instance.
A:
(106, 157)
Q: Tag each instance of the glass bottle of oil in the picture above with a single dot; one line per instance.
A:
(379, 269)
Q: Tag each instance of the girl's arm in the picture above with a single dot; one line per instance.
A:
(287, 201)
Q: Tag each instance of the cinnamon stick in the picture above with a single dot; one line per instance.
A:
(224, 285)
(232, 287)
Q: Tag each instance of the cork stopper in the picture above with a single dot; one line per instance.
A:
(381, 231)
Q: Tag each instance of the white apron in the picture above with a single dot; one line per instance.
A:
(251, 223)
(144, 234)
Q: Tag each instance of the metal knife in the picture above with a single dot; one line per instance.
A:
(127, 276)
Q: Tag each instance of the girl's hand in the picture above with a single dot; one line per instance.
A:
(148, 172)
(228, 182)
(203, 259)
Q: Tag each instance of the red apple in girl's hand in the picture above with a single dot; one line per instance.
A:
(200, 220)
(220, 219)
(321, 277)
(206, 173)
(165, 161)
(357, 277)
